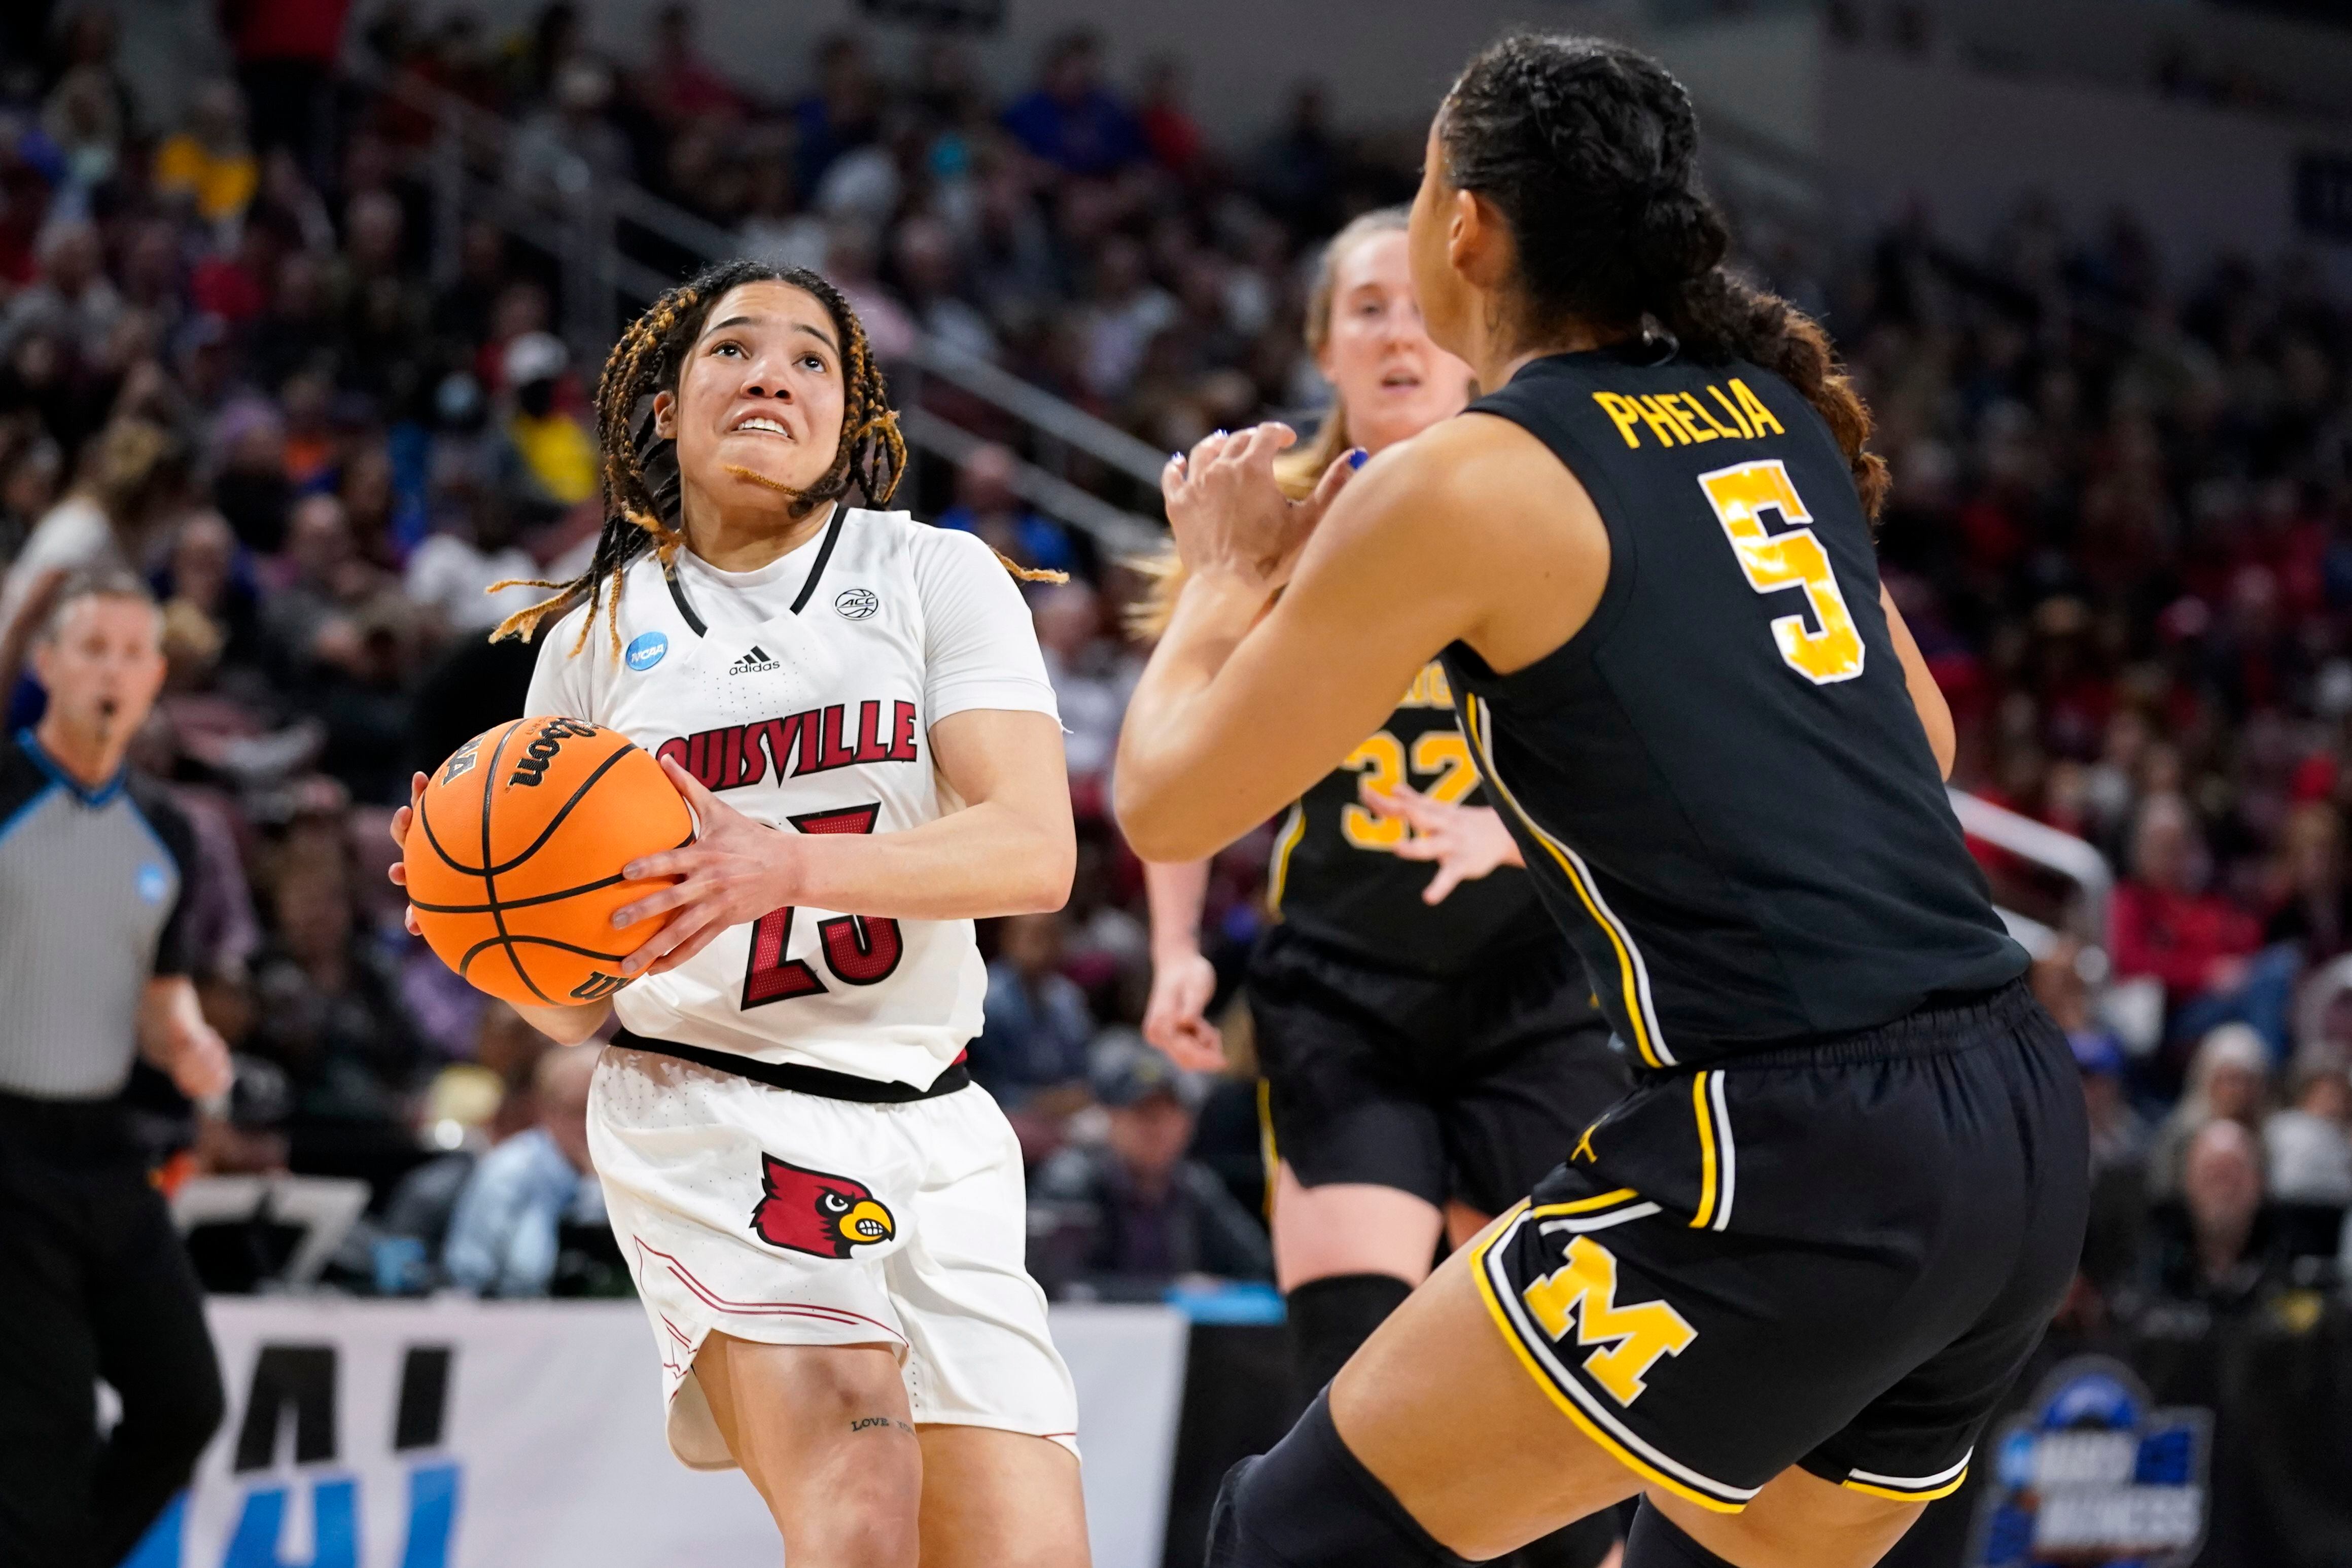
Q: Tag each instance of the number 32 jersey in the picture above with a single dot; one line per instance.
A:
(803, 694)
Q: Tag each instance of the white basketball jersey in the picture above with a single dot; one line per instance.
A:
(802, 694)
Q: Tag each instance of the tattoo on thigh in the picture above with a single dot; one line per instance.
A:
(863, 1422)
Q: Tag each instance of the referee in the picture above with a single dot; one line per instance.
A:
(93, 1281)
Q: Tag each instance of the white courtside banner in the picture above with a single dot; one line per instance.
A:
(457, 1433)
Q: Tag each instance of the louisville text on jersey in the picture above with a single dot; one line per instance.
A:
(812, 741)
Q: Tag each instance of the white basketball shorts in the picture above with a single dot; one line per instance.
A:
(789, 1218)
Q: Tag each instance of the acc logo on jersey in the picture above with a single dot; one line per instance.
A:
(855, 603)
(647, 652)
(153, 882)
(823, 1215)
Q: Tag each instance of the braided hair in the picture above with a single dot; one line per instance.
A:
(1591, 151)
(641, 478)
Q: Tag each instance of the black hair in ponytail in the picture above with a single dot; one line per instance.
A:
(1589, 149)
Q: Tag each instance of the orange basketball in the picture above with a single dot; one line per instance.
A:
(514, 860)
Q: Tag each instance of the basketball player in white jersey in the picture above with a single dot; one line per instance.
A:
(823, 1215)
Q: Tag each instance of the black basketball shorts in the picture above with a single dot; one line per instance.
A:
(1468, 1086)
(1837, 1256)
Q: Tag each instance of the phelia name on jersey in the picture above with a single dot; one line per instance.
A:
(1679, 419)
(812, 741)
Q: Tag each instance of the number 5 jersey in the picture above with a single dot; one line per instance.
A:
(802, 694)
(1720, 784)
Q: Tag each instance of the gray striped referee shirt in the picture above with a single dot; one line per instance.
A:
(90, 902)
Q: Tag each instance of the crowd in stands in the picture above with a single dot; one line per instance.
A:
(228, 360)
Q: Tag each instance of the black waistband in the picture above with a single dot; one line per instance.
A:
(74, 1132)
(1942, 1025)
(824, 1082)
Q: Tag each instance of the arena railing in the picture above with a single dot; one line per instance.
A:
(2134, 1009)
(469, 167)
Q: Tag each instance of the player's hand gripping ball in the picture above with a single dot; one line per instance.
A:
(513, 858)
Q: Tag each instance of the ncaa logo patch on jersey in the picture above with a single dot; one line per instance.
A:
(152, 883)
(647, 652)
(855, 603)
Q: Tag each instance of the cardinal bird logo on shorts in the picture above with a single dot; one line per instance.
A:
(823, 1215)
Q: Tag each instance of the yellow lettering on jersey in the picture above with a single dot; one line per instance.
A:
(1753, 406)
(1381, 758)
(1446, 753)
(1621, 414)
(1673, 402)
(1736, 417)
(1699, 409)
(1663, 421)
(1429, 689)
(1771, 562)
(1634, 1338)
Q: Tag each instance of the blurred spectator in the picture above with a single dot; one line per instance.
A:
(2314, 910)
(71, 294)
(208, 163)
(2217, 1244)
(505, 1233)
(1168, 129)
(330, 1015)
(548, 463)
(2163, 923)
(569, 148)
(1129, 311)
(843, 113)
(29, 473)
(450, 575)
(986, 504)
(679, 84)
(1131, 1210)
(1090, 684)
(2307, 1146)
(1070, 120)
(286, 53)
(926, 258)
(2229, 1080)
(1037, 1028)
(1298, 169)
(133, 479)
(84, 121)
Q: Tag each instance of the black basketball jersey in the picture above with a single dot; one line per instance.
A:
(1336, 876)
(1720, 783)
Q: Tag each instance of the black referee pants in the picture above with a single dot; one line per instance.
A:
(93, 1283)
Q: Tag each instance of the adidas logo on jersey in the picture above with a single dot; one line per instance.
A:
(755, 662)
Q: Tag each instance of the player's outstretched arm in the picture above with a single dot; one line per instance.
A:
(1471, 532)
(1935, 713)
(1008, 850)
(1183, 981)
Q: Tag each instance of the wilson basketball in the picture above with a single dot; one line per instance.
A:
(514, 861)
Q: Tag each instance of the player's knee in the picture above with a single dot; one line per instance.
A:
(1657, 1542)
(1310, 1503)
(854, 1511)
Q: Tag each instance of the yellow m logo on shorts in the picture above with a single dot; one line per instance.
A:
(1632, 1337)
